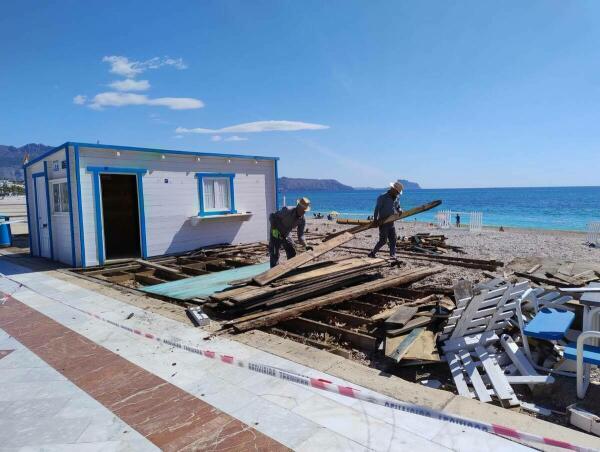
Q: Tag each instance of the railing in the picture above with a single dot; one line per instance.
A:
(593, 233)
(444, 219)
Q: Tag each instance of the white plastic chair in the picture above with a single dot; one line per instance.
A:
(586, 356)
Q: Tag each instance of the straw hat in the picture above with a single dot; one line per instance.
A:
(397, 186)
(304, 203)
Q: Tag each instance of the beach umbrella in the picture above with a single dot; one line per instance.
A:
(333, 213)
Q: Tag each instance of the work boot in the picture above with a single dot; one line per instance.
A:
(371, 254)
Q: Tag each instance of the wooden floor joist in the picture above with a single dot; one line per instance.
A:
(358, 340)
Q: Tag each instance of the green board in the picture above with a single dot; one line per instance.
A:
(205, 285)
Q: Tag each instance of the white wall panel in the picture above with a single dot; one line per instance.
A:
(171, 198)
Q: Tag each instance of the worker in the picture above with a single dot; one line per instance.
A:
(282, 223)
(387, 204)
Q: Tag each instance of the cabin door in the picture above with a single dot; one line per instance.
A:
(120, 216)
(42, 213)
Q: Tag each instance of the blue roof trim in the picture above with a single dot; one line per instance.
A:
(110, 169)
(45, 154)
(138, 149)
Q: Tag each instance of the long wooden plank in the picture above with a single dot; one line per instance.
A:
(390, 219)
(278, 314)
(284, 268)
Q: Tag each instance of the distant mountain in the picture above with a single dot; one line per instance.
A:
(11, 159)
(408, 185)
(294, 184)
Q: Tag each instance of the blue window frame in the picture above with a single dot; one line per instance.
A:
(216, 194)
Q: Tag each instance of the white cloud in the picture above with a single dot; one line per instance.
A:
(178, 137)
(216, 138)
(258, 126)
(122, 65)
(236, 138)
(130, 84)
(115, 99)
(79, 99)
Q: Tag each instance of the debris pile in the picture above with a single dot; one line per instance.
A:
(554, 272)
(427, 243)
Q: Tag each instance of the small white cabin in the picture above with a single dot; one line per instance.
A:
(88, 204)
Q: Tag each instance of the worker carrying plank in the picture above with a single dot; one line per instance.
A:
(387, 204)
(282, 223)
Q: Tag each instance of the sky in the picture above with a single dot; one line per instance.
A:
(447, 94)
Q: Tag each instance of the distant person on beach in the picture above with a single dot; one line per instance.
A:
(387, 204)
(282, 223)
(457, 220)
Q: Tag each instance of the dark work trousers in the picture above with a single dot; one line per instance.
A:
(276, 244)
(387, 232)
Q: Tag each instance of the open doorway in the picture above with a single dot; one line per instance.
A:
(121, 215)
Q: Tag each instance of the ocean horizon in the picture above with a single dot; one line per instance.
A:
(560, 208)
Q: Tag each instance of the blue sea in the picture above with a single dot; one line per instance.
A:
(564, 208)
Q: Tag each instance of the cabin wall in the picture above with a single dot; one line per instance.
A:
(171, 197)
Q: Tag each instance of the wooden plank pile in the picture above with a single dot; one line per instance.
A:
(250, 306)
(427, 243)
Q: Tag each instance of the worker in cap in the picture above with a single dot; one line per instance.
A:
(387, 204)
(282, 223)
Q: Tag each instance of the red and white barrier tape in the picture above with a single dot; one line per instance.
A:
(320, 383)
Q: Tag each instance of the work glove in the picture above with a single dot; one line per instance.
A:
(275, 233)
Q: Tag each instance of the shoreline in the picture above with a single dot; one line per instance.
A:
(489, 228)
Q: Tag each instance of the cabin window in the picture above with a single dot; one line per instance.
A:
(216, 194)
(60, 197)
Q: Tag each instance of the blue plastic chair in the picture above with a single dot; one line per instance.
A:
(550, 322)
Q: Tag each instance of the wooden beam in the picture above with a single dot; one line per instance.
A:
(284, 268)
(155, 266)
(390, 219)
(279, 314)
